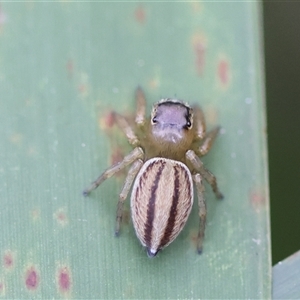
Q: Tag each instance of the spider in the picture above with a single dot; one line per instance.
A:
(164, 165)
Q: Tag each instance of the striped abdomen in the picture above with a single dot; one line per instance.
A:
(161, 201)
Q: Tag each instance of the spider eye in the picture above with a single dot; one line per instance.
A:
(188, 124)
(154, 120)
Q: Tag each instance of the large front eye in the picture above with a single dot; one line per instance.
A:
(154, 115)
(189, 118)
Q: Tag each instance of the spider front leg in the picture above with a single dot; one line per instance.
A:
(208, 142)
(200, 126)
(202, 210)
(134, 169)
(197, 164)
(140, 107)
(135, 154)
(124, 125)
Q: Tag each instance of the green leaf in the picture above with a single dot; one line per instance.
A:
(64, 66)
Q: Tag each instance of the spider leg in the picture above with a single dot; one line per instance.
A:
(202, 210)
(124, 125)
(134, 169)
(135, 154)
(207, 142)
(199, 120)
(208, 176)
(140, 107)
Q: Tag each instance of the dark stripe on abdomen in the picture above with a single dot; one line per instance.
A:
(173, 211)
(151, 207)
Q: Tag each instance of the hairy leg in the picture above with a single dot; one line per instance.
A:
(208, 142)
(128, 159)
(134, 169)
(199, 167)
(202, 210)
(140, 107)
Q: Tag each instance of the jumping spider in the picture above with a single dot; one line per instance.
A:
(165, 162)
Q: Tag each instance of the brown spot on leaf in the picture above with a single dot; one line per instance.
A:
(107, 121)
(257, 199)
(82, 88)
(70, 68)
(140, 14)
(32, 278)
(199, 46)
(223, 72)
(8, 260)
(61, 217)
(64, 279)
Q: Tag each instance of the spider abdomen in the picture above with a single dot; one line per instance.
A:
(161, 201)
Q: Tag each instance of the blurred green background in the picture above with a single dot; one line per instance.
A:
(282, 65)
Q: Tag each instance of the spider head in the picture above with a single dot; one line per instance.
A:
(171, 122)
